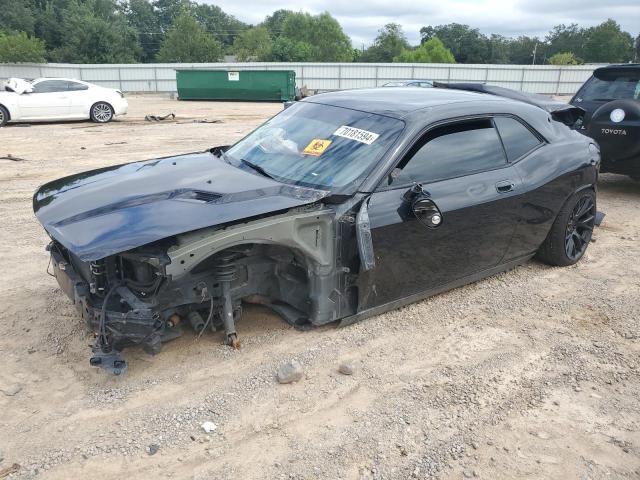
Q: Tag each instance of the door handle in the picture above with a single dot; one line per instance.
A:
(505, 186)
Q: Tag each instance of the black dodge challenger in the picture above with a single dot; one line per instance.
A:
(342, 206)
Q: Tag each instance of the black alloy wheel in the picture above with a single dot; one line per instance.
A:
(580, 227)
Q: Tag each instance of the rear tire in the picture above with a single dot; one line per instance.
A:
(101, 112)
(4, 116)
(571, 232)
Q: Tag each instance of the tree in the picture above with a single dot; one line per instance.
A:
(287, 50)
(563, 58)
(96, 31)
(636, 56)
(498, 49)
(607, 43)
(166, 11)
(17, 16)
(141, 17)
(431, 51)
(467, 44)
(225, 28)
(521, 50)
(253, 44)
(563, 38)
(275, 22)
(322, 32)
(388, 44)
(19, 47)
(187, 41)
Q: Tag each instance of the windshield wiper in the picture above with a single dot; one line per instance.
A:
(257, 168)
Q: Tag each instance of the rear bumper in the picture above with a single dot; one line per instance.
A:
(120, 106)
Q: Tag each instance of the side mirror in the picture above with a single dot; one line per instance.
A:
(418, 201)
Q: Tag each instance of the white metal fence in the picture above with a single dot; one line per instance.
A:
(546, 79)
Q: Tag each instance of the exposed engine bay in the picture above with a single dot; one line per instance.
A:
(200, 280)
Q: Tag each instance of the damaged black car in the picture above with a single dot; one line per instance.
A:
(342, 206)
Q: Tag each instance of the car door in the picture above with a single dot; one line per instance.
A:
(79, 101)
(48, 100)
(459, 173)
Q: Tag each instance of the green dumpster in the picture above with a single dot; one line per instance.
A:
(260, 85)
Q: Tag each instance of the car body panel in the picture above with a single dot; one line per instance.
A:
(96, 214)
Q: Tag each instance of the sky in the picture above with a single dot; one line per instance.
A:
(361, 19)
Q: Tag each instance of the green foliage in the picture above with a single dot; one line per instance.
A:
(140, 16)
(498, 49)
(389, 43)
(187, 41)
(563, 58)
(431, 51)
(99, 31)
(167, 10)
(467, 44)
(275, 22)
(607, 43)
(253, 44)
(17, 15)
(521, 50)
(322, 32)
(19, 47)
(95, 31)
(565, 38)
(285, 49)
(222, 26)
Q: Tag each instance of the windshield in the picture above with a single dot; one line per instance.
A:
(612, 86)
(318, 146)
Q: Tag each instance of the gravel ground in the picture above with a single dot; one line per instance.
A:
(532, 373)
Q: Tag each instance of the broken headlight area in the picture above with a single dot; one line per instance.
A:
(129, 300)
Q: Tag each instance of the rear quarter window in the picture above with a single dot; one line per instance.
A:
(516, 138)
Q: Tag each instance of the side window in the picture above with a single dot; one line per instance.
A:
(517, 138)
(75, 86)
(452, 151)
(49, 86)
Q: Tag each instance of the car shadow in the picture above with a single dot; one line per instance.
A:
(618, 184)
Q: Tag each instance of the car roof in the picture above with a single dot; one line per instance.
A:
(413, 80)
(36, 80)
(401, 101)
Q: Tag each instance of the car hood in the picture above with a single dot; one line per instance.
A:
(110, 210)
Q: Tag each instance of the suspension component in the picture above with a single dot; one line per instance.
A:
(97, 284)
(226, 273)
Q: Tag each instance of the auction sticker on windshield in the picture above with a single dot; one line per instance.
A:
(357, 134)
(316, 147)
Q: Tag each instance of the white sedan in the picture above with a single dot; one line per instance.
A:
(50, 99)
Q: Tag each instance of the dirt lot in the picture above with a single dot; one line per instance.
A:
(530, 374)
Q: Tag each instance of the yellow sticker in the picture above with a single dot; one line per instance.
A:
(316, 147)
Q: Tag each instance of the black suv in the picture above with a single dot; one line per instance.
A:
(611, 100)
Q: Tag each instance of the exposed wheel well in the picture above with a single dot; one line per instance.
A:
(270, 274)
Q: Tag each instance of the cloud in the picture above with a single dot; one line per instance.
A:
(362, 19)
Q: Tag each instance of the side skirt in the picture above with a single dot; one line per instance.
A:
(434, 291)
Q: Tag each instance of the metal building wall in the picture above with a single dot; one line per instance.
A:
(546, 79)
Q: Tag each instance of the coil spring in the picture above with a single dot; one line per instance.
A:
(225, 268)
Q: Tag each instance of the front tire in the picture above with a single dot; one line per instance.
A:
(571, 232)
(4, 116)
(101, 112)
